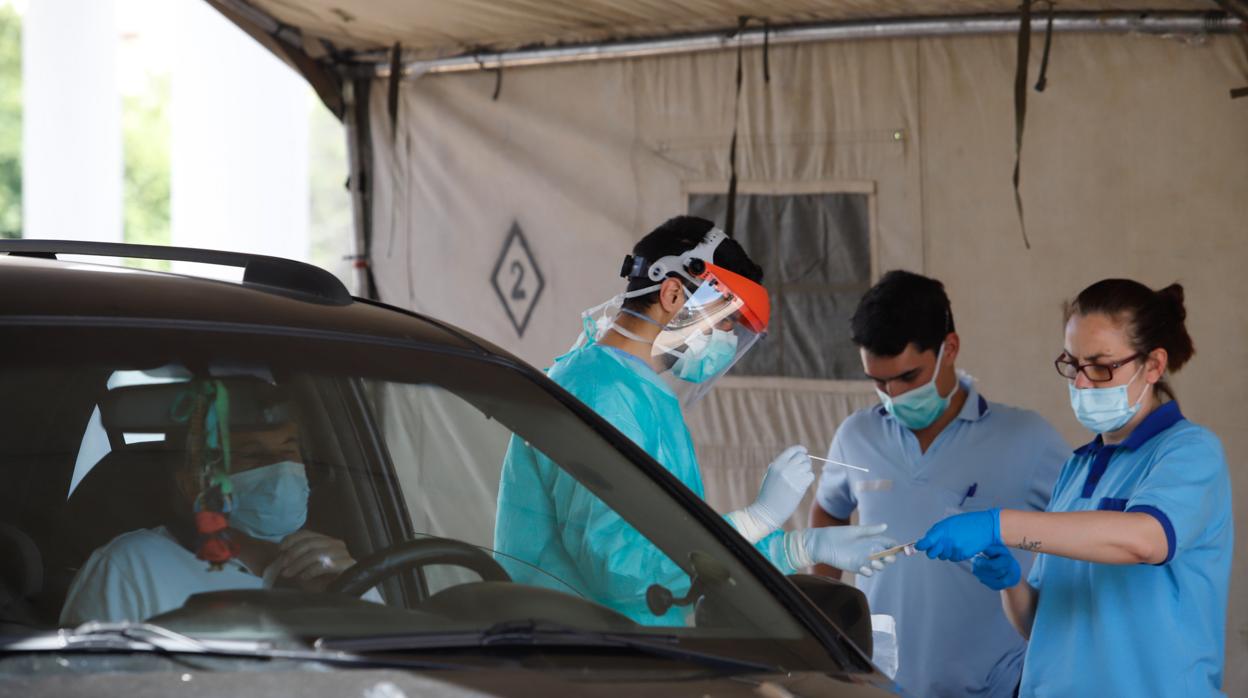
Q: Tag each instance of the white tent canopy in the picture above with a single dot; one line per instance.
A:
(504, 201)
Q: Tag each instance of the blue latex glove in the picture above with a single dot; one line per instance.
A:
(962, 537)
(996, 568)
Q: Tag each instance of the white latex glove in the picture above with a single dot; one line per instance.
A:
(844, 547)
(787, 479)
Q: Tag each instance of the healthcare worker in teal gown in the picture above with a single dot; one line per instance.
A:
(693, 307)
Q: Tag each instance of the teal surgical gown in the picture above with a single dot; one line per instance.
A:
(548, 520)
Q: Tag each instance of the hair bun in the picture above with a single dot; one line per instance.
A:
(1174, 296)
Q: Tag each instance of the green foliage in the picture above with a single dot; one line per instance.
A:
(146, 143)
(10, 121)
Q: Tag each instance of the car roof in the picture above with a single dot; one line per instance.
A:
(72, 290)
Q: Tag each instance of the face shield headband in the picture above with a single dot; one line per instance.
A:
(724, 315)
(596, 321)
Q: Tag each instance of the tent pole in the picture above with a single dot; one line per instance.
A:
(1148, 23)
(360, 155)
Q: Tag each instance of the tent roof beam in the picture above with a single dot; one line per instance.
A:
(1146, 23)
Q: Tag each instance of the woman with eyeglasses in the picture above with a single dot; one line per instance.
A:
(1129, 594)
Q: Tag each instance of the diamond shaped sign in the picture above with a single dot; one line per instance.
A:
(517, 279)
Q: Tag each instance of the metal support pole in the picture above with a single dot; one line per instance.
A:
(376, 64)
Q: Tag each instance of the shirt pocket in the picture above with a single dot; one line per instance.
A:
(860, 486)
(876, 500)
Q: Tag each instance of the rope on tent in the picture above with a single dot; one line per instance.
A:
(730, 216)
(392, 97)
(498, 74)
(1240, 92)
(1020, 106)
(1043, 80)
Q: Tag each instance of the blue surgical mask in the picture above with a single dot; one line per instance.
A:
(270, 502)
(919, 408)
(706, 355)
(1105, 410)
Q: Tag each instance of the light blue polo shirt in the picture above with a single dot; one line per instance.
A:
(1139, 630)
(953, 638)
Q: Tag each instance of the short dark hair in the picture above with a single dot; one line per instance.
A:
(901, 309)
(677, 236)
(1153, 319)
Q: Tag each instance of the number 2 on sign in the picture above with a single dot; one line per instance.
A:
(517, 291)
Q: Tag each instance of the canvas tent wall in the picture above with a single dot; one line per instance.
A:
(510, 215)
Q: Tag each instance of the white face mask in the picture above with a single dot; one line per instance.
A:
(270, 502)
(1106, 410)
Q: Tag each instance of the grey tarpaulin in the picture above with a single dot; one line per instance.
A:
(815, 252)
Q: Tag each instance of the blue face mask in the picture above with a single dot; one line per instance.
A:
(1105, 410)
(919, 408)
(271, 502)
(706, 356)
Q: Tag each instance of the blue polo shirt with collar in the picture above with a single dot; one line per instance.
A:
(1139, 630)
(953, 638)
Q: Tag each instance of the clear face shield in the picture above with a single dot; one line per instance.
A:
(724, 315)
(722, 320)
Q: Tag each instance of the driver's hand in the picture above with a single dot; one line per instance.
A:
(312, 560)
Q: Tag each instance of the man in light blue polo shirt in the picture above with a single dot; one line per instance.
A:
(934, 447)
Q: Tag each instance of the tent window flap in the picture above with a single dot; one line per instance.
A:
(816, 256)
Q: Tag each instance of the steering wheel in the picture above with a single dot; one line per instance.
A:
(411, 554)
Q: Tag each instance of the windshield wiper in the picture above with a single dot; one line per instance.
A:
(534, 633)
(147, 637)
(124, 636)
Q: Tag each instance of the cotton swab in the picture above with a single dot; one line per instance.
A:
(907, 550)
(837, 462)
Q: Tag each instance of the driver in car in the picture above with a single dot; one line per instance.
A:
(147, 572)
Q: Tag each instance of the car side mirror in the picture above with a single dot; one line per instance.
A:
(842, 603)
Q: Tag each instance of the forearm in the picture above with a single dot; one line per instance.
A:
(1108, 537)
(818, 519)
(1019, 602)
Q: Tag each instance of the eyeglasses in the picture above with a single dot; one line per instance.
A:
(1097, 373)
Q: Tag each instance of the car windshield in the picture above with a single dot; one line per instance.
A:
(252, 484)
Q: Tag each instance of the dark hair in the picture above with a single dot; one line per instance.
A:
(901, 309)
(677, 236)
(1153, 319)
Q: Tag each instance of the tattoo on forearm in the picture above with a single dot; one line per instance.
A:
(1029, 545)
